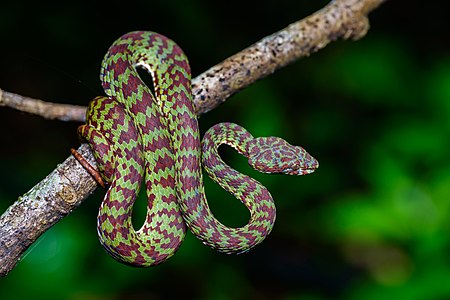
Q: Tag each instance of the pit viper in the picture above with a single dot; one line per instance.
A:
(138, 135)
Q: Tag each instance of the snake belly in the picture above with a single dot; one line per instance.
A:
(137, 133)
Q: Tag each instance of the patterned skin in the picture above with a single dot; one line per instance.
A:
(135, 134)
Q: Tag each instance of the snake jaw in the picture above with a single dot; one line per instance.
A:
(304, 168)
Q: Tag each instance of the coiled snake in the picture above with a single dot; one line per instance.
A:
(137, 136)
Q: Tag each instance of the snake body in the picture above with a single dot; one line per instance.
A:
(138, 135)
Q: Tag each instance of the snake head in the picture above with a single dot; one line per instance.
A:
(275, 155)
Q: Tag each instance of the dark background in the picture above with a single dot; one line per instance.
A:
(371, 223)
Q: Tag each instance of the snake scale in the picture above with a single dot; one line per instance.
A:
(139, 136)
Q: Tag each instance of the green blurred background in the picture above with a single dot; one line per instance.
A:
(371, 223)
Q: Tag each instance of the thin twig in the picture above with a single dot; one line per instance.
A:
(69, 184)
(48, 110)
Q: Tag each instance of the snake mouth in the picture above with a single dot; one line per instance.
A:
(308, 171)
(303, 170)
(299, 172)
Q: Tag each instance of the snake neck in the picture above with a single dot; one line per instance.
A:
(234, 136)
(229, 134)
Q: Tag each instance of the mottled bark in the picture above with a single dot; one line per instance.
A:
(46, 203)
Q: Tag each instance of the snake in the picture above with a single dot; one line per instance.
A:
(149, 136)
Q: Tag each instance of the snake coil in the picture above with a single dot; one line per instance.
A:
(139, 136)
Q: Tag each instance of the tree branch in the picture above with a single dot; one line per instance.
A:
(48, 110)
(69, 184)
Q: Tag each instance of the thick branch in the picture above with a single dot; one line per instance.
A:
(69, 184)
